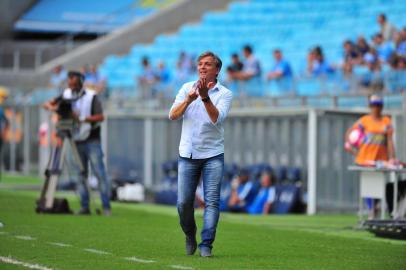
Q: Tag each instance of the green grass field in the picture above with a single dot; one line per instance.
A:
(151, 236)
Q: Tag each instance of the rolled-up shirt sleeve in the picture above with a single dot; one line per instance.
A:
(224, 106)
(180, 97)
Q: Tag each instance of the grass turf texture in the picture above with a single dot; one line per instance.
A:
(151, 232)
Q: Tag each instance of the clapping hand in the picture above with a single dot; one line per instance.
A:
(193, 93)
(204, 86)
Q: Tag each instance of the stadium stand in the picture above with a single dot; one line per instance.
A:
(293, 26)
(90, 16)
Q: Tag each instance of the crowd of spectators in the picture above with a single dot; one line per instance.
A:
(364, 64)
(93, 79)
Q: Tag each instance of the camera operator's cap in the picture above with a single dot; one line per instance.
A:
(74, 73)
(375, 100)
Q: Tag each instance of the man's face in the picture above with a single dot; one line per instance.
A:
(246, 53)
(381, 20)
(74, 84)
(378, 40)
(235, 59)
(207, 68)
(242, 179)
(277, 55)
(376, 109)
(347, 47)
(266, 180)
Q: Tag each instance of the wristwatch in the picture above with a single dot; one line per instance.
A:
(206, 99)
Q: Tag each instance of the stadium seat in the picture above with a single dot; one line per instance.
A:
(294, 26)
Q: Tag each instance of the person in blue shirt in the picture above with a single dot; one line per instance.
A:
(262, 203)
(243, 192)
(384, 49)
(317, 65)
(281, 68)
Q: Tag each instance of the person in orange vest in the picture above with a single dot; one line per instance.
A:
(375, 147)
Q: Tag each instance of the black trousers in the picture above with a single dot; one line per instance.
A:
(389, 193)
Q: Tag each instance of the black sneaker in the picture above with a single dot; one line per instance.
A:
(191, 244)
(83, 211)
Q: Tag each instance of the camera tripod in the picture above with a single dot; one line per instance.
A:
(47, 202)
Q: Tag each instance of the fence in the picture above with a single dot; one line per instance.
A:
(137, 143)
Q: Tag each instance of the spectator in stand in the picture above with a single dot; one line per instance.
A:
(185, 67)
(262, 203)
(186, 63)
(351, 55)
(401, 65)
(400, 43)
(243, 192)
(387, 29)
(281, 68)
(58, 78)
(163, 79)
(362, 45)
(317, 66)
(384, 49)
(147, 79)
(251, 68)
(94, 80)
(373, 80)
(162, 73)
(235, 66)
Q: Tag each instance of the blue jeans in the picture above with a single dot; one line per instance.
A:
(91, 153)
(189, 171)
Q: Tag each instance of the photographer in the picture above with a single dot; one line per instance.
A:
(84, 107)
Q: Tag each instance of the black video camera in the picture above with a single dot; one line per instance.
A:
(64, 109)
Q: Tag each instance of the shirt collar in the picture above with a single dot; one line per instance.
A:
(216, 87)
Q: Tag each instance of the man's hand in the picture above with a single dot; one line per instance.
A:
(77, 118)
(204, 87)
(192, 95)
(50, 106)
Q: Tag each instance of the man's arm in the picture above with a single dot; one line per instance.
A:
(181, 103)
(219, 113)
(97, 113)
(391, 148)
(275, 75)
(243, 75)
(267, 208)
(50, 105)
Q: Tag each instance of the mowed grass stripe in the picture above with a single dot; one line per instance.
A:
(144, 232)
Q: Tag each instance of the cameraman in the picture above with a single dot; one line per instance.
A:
(88, 114)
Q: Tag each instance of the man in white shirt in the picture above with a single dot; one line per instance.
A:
(203, 105)
(388, 31)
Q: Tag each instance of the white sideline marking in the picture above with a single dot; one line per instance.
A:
(59, 244)
(27, 265)
(96, 251)
(181, 267)
(25, 237)
(135, 259)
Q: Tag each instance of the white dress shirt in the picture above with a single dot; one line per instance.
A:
(201, 138)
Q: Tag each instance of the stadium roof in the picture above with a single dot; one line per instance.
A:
(90, 16)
